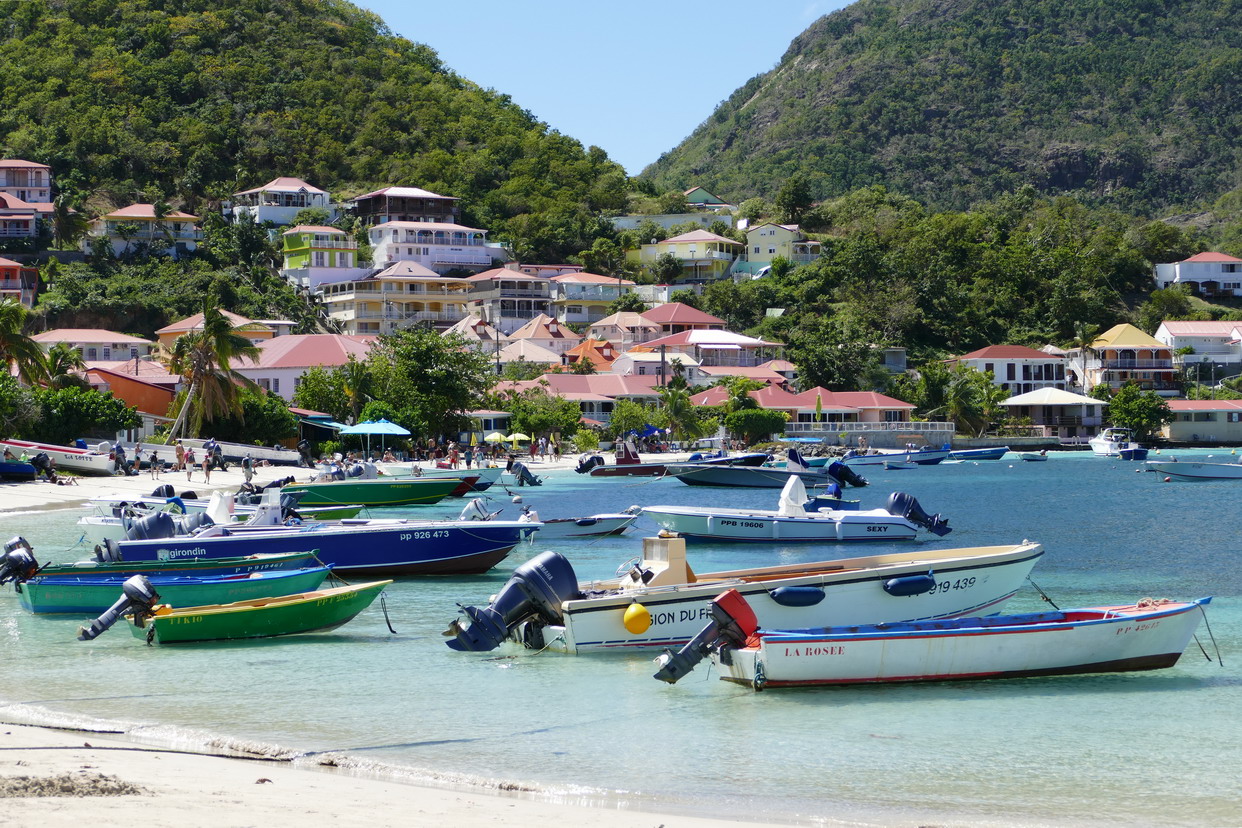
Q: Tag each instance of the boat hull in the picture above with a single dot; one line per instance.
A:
(592, 526)
(84, 461)
(199, 567)
(968, 581)
(371, 548)
(1197, 471)
(1092, 640)
(235, 452)
(288, 615)
(401, 492)
(96, 593)
(754, 477)
(629, 470)
(925, 457)
(767, 526)
(994, 453)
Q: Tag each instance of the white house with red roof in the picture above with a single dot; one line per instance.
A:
(596, 394)
(583, 298)
(625, 329)
(1213, 341)
(1206, 274)
(405, 204)
(713, 347)
(96, 343)
(1205, 421)
(1016, 368)
(280, 200)
(284, 360)
(675, 317)
(653, 363)
(548, 333)
(142, 227)
(399, 296)
(438, 246)
(20, 219)
(27, 181)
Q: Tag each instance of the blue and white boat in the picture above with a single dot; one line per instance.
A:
(926, 456)
(765, 477)
(1117, 442)
(992, 453)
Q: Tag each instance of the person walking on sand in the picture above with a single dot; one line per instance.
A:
(247, 465)
(206, 465)
(180, 451)
(154, 464)
(189, 464)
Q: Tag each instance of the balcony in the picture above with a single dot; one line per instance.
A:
(17, 233)
(593, 293)
(400, 316)
(321, 243)
(835, 428)
(1134, 364)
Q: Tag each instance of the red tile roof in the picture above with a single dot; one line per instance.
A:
(313, 228)
(1007, 352)
(195, 322)
(147, 211)
(544, 327)
(506, 273)
(676, 313)
(309, 350)
(284, 184)
(17, 162)
(702, 236)
(1211, 257)
(88, 335)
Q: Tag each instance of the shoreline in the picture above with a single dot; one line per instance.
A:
(78, 775)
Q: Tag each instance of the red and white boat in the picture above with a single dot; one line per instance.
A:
(84, 460)
(1148, 635)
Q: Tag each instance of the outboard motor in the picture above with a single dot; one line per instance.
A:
(164, 491)
(109, 552)
(190, 524)
(732, 623)
(151, 527)
(538, 588)
(844, 474)
(525, 477)
(906, 506)
(355, 470)
(793, 460)
(18, 562)
(137, 596)
(588, 462)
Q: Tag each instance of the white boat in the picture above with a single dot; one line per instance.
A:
(235, 452)
(1033, 456)
(926, 456)
(661, 602)
(1149, 635)
(96, 460)
(613, 523)
(902, 465)
(487, 475)
(1112, 442)
(899, 520)
(1197, 471)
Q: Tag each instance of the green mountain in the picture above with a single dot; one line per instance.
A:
(1137, 103)
(192, 100)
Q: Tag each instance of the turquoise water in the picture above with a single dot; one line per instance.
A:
(1146, 748)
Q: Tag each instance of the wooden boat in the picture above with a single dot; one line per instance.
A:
(95, 592)
(83, 460)
(661, 602)
(1196, 470)
(404, 491)
(305, 612)
(1149, 635)
(792, 522)
(991, 453)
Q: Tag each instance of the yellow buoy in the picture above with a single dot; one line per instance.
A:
(637, 620)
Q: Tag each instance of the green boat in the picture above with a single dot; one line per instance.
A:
(324, 609)
(95, 593)
(242, 565)
(400, 492)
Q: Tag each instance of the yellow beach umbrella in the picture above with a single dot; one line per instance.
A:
(495, 437)
(517, 435)
(474, 439)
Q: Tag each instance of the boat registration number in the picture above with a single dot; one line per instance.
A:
(424, 535)
(744, 524)
(945, 586)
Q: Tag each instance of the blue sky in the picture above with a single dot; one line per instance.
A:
(633, 78)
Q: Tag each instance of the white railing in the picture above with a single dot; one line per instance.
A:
(16, 232)
(835, 428)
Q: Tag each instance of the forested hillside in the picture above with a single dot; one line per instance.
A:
(142, 100)
(1137, 103)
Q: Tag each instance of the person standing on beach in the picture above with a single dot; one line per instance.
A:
(206, 465)
(189, 463)
(154, 464)
(248, 467)
(180, 456)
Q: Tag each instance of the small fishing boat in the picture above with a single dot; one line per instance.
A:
(304, 612)
(1111, 442)
(899, 465)
(93, 592)
(991, 453)
(661, 601)
(478, 479)
(1134, 452)
(73, 458)
(899, 520)
(613, 523)
(1033, 456)
(765, 477)
(1148, 635)
(1196, 470)
(925, 456)
(12, 470)
(400, 491)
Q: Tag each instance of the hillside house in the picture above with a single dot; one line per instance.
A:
(285, 359)
(625, 329)
(583, 298)
(405, 204)
(1016, 368)
(1124, 354)
(712, 347)
(704, 256)
(138, 227)
(1204, 274)
(96, 344)
(675, 317)
(256, 330)
(1211, 342)
(400, 296)
(508, 299)
(767, 241)
(315, 254)
(18, 282)
(27, 181)
(547, 333)
(279, 201)
(438, 246)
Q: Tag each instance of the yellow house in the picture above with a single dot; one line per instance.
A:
(704, 256)
(767, 241)
(1121, 355)
(254, 330)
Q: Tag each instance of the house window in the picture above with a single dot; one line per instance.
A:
(92, 353)
(342, 259)
(771, 249)
(321, 259)
(107, 352)
(756, 248)
(1234, 417)
(133, 353)
(892, 416)
(989, 366)
(276, 385)
(1011, 372)
(264, 384)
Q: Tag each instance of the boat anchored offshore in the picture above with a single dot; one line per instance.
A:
(1148, 635)
(1117, 442)
(1196, 470)
(765, 477)
(660, 601)
(899, 520)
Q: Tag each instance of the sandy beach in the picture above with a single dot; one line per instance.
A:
(60, 778)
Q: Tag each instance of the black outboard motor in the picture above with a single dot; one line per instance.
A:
(905, 505)
(732, 623)
(137, 596)
(588, 462)
(164, 491)
(525, 477)
(42, 463)
(190, 524)
(538, 588)
(17, 563)
(150, 527)
(845, 475)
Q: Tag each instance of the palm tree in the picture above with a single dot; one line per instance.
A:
(203, 357)
(1084, 338)
(63, 364)
(17, 347)
(68, 224)
(682, 419)
(357, 380)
